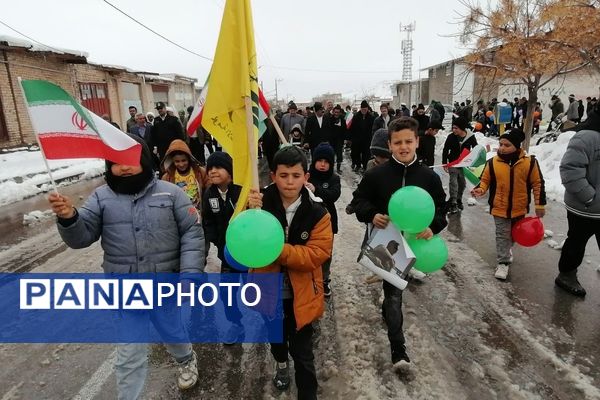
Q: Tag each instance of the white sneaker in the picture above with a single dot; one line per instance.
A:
(188, 373)
(416, 274)
(502, 271)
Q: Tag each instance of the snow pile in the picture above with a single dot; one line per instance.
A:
(549, 156)
(23, 174)
(36, 216)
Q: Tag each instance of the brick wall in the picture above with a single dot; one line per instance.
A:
(27, 66)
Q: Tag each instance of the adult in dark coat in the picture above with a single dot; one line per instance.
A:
(361, 131)
(426, 149)
(338, 135)
(166, 129)
(317, 129)
(422, 119)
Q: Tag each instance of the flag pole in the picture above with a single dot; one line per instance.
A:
(252, 143)
(52, 182)
(282, 138)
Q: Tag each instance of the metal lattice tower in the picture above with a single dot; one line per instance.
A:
(407, 49)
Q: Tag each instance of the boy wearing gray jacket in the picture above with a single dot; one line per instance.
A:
(147, 226)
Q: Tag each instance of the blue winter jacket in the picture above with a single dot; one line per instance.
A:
(156, 230)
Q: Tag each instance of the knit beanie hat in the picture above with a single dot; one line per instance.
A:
(515, 136)
(420, 106)
(324, 151)
(364, 104)
(222, 160)
(379, 143)
(461, 123)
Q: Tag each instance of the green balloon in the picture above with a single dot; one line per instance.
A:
(411, 209)
(431, 254)
(255, 238)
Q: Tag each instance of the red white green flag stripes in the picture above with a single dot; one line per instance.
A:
(66, 129)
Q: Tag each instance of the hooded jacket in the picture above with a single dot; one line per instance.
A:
(199, 172)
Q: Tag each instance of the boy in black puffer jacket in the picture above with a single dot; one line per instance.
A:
(325, 183)
(218, 205)
(370, 201)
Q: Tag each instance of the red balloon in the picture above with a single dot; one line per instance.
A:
(528, 232)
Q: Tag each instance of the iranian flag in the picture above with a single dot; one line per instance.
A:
(473, 158)
(349, 116)
(196, 117)
(66, 129)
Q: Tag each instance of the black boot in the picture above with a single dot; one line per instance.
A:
(568, 282)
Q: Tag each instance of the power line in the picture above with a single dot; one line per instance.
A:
(202, 56)
(330, 70)
(156, 33)
(264, 49)
(30, 38)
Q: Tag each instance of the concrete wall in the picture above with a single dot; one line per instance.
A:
(441, 81)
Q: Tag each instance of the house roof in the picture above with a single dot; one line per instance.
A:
(72, 56)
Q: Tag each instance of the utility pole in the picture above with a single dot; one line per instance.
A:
(276, 93)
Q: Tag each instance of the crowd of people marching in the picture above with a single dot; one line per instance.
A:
(196, 197)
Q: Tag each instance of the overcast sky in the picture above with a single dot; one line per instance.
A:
(352, 37)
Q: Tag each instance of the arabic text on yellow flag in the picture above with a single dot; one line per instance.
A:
(233, 78)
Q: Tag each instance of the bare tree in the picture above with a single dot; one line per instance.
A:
(509, 44)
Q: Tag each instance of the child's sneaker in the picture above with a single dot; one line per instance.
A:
(416, 274)
(502, 271)
(188, 372)
(453, 209)
(326, 289)
(281, 380)
(399, 356)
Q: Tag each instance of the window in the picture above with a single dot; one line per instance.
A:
(434, 73)
(448, 69)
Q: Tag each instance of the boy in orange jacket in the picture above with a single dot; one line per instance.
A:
(308, 244)
(510, 176)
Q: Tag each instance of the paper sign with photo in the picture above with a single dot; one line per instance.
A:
(387, 255)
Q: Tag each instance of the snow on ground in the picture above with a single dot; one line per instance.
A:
(23, 173)
(37, 216)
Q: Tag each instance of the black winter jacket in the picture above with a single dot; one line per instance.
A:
(381, 182)
(329, 190)
(216, 214)
(454, 146)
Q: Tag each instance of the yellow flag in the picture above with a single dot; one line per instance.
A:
(233, 78)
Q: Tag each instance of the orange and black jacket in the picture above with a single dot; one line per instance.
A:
(510, 186)
(308, 245)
